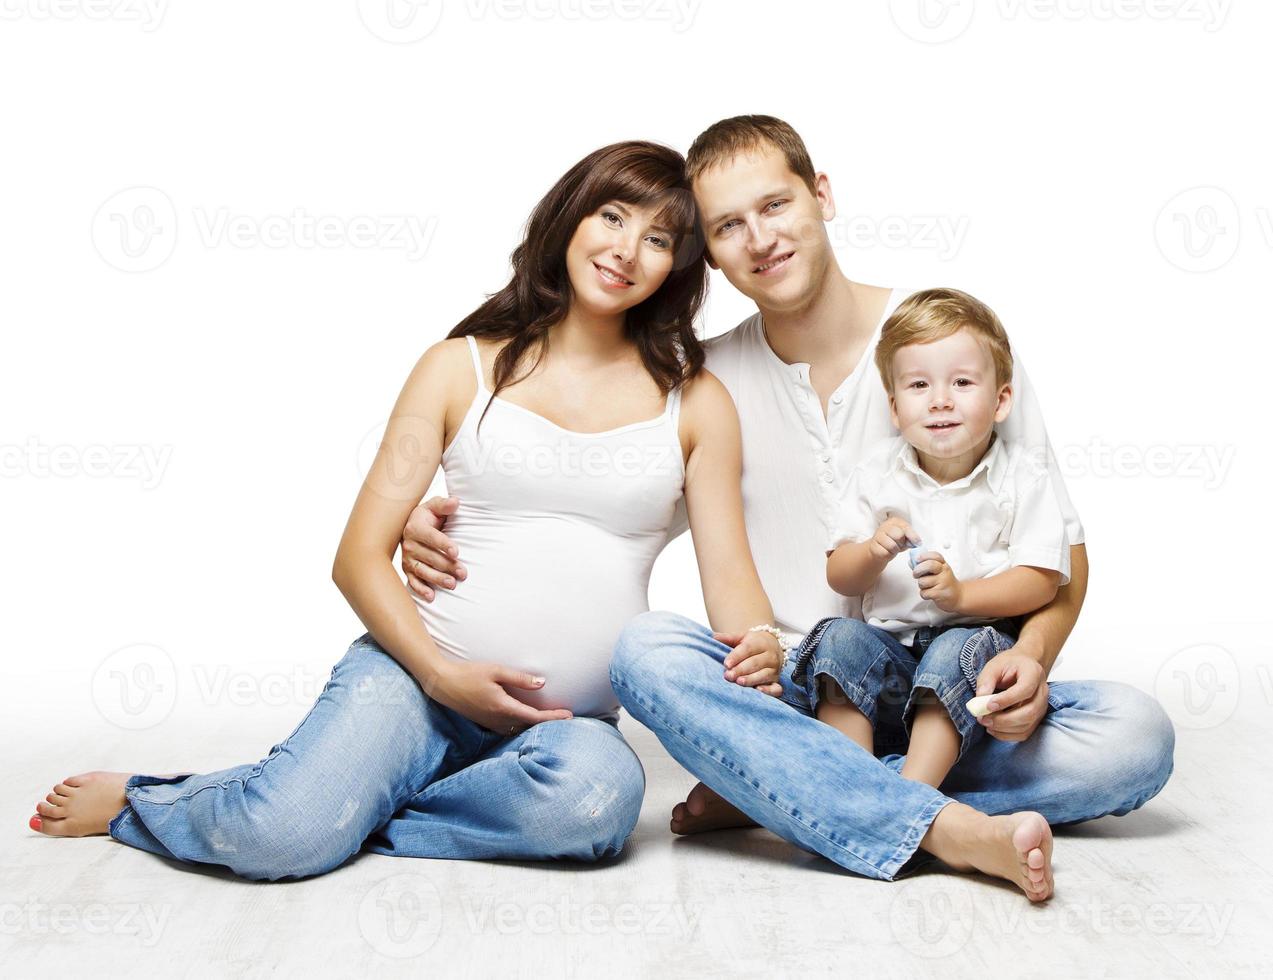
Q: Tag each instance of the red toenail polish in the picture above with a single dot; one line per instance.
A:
(35, 823)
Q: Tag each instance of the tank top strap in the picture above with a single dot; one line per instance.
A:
(477, 364)
(673, 409)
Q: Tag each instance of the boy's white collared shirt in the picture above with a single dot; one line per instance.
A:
(1004, 513)
(795, 460)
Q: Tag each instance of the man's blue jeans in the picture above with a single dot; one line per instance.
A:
(376, 765)
(1104, 748)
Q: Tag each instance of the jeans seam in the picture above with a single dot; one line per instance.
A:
(769, 795)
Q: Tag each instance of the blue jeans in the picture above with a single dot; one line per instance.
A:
(377, 765)
(885, 679)
(1103, 748)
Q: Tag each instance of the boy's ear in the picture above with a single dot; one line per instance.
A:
(1005, 403)
(892, 412)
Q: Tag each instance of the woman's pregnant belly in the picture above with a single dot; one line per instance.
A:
(545, 596)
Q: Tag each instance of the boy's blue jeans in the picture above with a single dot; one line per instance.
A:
(1103, 748)
(885, 679)
(377, 765)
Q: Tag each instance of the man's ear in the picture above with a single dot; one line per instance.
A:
(826, 202)
(1005, 403)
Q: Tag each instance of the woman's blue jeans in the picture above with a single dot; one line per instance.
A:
(1103, 748)
(377, 765)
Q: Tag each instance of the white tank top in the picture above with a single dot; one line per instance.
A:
(558, 530)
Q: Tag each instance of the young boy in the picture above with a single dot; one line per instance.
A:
(985, 535)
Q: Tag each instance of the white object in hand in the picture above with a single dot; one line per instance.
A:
(979, 707)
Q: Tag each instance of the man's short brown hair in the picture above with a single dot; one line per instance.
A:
(934, 314)
(721, 142)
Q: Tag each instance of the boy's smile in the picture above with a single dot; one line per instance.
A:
(945, 402)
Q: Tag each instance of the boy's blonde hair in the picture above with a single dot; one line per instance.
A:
(934, 314)
(722, 141)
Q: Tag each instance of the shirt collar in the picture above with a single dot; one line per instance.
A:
(994, 463)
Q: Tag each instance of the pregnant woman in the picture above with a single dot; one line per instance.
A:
(570, 412)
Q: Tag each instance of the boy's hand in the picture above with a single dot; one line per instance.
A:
(937, 582)
(892, 538)
(754, 661)
(1022, 699)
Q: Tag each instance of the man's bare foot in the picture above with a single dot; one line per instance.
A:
(1016, 847)
(81, 805)
(704, 809)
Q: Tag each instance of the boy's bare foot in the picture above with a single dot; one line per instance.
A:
(81, 805)
(1016, 847)
(704, 809)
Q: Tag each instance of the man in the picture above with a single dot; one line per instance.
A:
(801, 375)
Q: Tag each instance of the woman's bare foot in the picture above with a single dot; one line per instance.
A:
(81, 805)
(704, 809)
(1016, 847)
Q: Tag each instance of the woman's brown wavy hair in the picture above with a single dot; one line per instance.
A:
(539, 293)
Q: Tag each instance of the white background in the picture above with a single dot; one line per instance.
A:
(162, 291)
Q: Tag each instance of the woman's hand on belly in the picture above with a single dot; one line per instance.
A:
(476, 690)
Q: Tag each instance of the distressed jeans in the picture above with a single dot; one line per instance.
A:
(1103, 748)
(377, 765)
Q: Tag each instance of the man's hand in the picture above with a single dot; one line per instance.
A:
(478, 692)
(430, 560)
(1022, 699)
(937, 582)
(754, 660)
(891, 538)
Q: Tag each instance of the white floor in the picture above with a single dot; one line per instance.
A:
(1179, 889)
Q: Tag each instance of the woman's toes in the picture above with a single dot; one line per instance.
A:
(57, 800)
(49, 810)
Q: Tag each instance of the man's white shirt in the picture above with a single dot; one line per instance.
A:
(796, 461)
